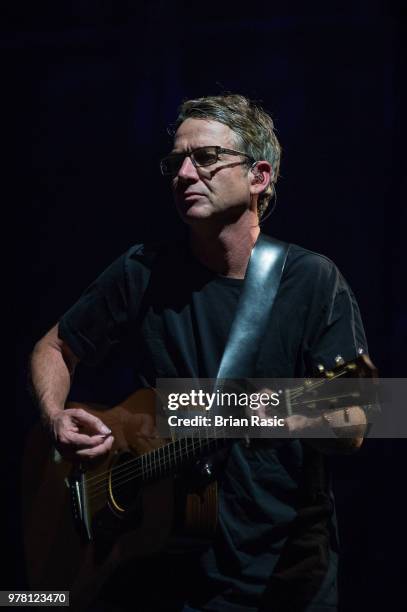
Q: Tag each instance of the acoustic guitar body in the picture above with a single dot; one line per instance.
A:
(81, 524)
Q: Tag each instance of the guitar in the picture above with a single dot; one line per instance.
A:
(82, 521)
(126, 505)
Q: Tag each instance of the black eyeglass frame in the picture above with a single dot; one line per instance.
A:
(219, 150)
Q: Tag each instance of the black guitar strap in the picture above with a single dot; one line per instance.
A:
(254, 308)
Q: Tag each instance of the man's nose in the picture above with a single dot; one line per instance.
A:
(187, 170)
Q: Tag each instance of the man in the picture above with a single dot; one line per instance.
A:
(276, 544)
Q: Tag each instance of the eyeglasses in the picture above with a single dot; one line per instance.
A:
(204, 156)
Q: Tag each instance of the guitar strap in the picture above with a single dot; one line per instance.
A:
(254, 308)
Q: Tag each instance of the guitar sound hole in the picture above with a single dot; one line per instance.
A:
(124, 483)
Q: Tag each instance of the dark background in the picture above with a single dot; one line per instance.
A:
(94, 86)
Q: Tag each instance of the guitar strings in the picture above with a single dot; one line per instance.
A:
(151, 453)
(117, 469)
(297, 391)
(146, 470)
(125, 468)
(150, 462)
(150, 456)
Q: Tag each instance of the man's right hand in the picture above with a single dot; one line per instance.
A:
(80, 435)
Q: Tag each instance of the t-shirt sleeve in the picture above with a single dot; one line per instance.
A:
(338, 328)
(100, 318)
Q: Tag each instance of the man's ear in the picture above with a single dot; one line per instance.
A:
(260, 175)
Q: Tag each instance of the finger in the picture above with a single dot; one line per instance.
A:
(96, 451)
(82, 440)
(92, 421)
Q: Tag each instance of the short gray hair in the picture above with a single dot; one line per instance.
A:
(253, 126)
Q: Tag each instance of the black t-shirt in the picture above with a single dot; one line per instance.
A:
(276, 513)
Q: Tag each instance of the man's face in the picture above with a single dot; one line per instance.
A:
(213, 192)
